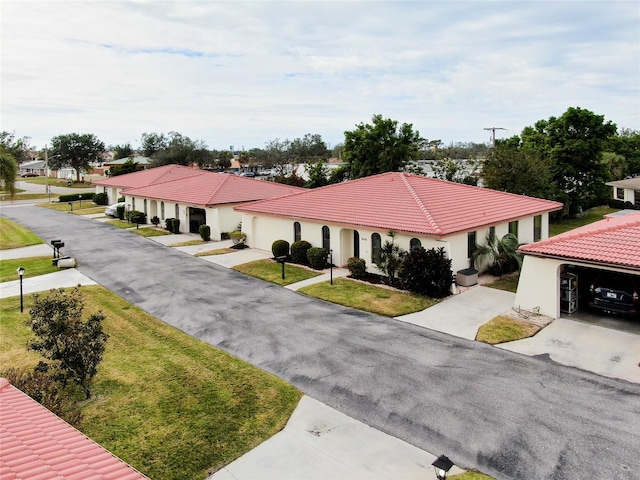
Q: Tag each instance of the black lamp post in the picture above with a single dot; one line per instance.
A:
(331, 264)
(442, 465)
(20, 271)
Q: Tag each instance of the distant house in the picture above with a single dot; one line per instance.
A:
(558, 271)
(36, 166)
(36, 443)
(352, 218)
(142, 162)
(627, 190)
(195, 197)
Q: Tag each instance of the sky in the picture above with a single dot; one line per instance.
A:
(241, 74)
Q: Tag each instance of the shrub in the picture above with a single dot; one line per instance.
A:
(317, 257)
(136, 216)
(390, 257)
(205, 232)
(238, 237)
(427, 272)
(120, 212)
(100, 198)
(69, 198)
(172, 225)
(120, 200)
(155, 221)
(299, 252)
(225, 236)
(280, 248)
(357, 267)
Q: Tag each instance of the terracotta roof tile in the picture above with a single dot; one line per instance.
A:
(36, 444)
(613, 241)
(142, 178)
(406, 203)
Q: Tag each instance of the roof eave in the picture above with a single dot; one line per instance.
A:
(578, 259)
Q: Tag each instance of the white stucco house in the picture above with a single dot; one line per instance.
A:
(627, 190)
(195, 197)
(556, 273)
(352, 219)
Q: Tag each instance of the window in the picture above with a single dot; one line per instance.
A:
(177, 211)
(376, 246)
(145, 206)
(133, 204)
(415, 243)
(297, 232)
(471, 243)
(162, 210)
(637, 197)
(620, 193)
(356, 244)
(492, 232)
(326, 239)
(537, 228)
(513, 228)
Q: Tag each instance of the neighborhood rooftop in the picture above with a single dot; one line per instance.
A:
(35, 444)
(405, 203)
(613, 241)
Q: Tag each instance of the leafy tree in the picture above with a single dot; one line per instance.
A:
(318, 174)
(380, 147)
(501, 255)
(427, 272)
(278, 157)
(75, 346)
(8, 171)
(122, 151)
(76, 150)
(512, 167)
(176, 149)
(310, 148)
(223, 159)
(455, 171)
(152, 143)
(626, 148)
(390, 257)
(16, 147)
(127, 167)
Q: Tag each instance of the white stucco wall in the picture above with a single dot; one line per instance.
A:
(113, 193)
(539, 286)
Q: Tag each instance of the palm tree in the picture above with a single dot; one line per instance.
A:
(8, 171)
(501, 255)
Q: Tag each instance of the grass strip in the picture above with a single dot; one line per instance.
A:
(188, 243)
(503, 329)
(121, 224)
(150, 232)
(590, 216)
(271, 271)
(33, 266)
(164, 402)
(14, 235)
(218, 251)
(363, 296)
(508, 284)
(79, 207)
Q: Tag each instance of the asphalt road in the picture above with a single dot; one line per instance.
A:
(511, 416)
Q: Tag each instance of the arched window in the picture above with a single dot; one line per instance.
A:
(376, 246)
(133, 203)
(415, 243)
(162, 210)
(297, 232)
(356, 244)
(326, 239)
(145, 206)
(177, 211)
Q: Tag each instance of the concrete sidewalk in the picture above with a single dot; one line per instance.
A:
(62, 279)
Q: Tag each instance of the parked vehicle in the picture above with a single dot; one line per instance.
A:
(112, 210)
(615, 294)
(29, 174)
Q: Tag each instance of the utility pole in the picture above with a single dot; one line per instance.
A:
(493, 134)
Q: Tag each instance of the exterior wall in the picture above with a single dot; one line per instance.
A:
(113, 193)
(539, 285)
(629, 194)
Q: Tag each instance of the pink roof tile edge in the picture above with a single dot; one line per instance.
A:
(612, 241)
(405, 203)
(35, 443)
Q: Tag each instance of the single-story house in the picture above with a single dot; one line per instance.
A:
(38, 444)
(353, 218)
(556, 273)
(142, 162)
(195, 197)
(627, 190)
(35, 166)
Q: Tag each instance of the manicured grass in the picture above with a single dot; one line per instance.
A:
(271, 271)
(80, 207)
(188, 243)
(27, 196)
(121, 224)
(88, 211)
(14, 235)
(150, 232)
(218, 251)
(471, 476)
(590, 216)
(170, 405)
(369, 298)
(509, 284)
(56, 182)
(504, 329)
(33, 266)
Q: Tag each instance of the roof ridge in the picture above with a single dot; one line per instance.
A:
(213, 194)
(421, 205)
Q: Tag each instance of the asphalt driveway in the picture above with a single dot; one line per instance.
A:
(509, 415)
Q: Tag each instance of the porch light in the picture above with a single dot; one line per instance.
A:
(442, 465)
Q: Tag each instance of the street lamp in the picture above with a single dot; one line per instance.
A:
(442, 465)
(331, 264)
(20, 271)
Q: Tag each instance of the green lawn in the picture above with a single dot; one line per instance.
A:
(121, 223)
(509, 284)
(56, 182)
(217, 251)
(33, 266)
(79, 207)
(504, 329)
(188, 243)
(369, 298)
(590, 216)
(271, 271)
(170, 405)
(14, 235)
(150, 232)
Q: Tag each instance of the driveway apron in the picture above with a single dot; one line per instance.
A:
(506, 414)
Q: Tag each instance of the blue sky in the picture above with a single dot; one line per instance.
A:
(245, 73)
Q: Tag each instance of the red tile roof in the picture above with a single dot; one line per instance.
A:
(405, 203)
(614, 241)
(143, 178)
(36, 444)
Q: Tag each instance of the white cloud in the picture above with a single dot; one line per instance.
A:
(244, 73)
